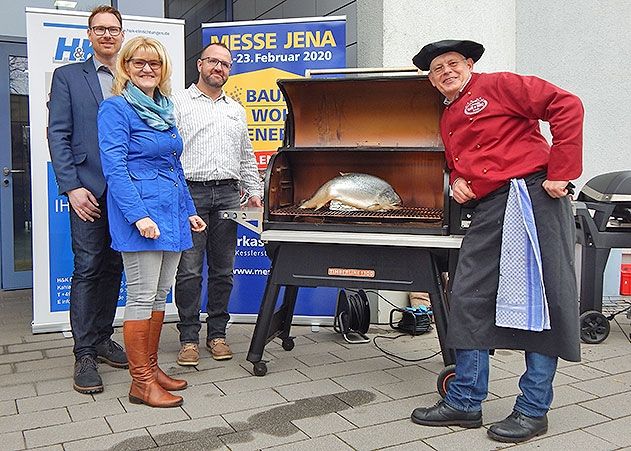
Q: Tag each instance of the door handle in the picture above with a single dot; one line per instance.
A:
(6, 171)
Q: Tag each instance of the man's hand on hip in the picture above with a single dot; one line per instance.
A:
(556, 188)
(84, 204)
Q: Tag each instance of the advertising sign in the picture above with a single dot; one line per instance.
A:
(262, 52)
(55, 38)
(266, 50)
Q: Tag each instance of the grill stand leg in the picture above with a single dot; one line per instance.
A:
(266, 312)
(272, 323)
(441, 309)
(593, 262)
(286, 313)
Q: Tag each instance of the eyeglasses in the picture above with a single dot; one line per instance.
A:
(214, 61)
(441, 68)
(138, 63)
(100, 31)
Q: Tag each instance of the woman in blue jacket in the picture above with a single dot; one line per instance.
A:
(150, 210)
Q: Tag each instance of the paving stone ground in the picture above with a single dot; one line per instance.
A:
(325, 394)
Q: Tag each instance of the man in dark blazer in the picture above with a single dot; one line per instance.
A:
(76, 92)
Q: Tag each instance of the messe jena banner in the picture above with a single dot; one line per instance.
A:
(262, 52)
(55, 38)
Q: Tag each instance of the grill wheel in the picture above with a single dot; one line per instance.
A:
(444, 379)
(594, 327)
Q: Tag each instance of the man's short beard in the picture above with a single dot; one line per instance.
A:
(211, 82)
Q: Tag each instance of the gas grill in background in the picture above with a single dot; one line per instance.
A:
(603, 222)
(383, 125)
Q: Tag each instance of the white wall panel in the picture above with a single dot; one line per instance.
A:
(406, 25)
(584, 46)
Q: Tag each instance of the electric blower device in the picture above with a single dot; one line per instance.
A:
(414, 320)
(352, 316)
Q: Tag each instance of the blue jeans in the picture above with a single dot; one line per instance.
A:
(218, 243)
(470, 386)
(95, 284)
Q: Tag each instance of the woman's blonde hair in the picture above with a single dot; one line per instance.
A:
(149, 45)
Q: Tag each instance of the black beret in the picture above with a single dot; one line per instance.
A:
(468, 49)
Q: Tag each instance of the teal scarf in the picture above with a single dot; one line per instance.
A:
(157, 113)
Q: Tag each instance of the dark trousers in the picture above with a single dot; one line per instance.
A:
(218, 242)
(95, 282)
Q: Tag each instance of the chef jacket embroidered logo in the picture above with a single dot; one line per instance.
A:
(475, 106)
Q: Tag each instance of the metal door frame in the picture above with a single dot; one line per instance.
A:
(10, 278)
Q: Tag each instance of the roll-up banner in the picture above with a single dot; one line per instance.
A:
(262, 52)
(55, 38)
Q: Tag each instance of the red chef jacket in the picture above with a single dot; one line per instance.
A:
(491, 131)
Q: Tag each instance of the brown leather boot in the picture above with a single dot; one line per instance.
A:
(144, 386)
(166, 382)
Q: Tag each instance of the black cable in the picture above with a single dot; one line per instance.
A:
(359, 310)
(374, 292)
(613, 315)
(379, 295)
(374, 340)
(354, 311)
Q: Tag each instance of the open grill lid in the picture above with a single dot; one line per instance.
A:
(366, 112)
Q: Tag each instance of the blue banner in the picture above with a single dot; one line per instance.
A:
(292, 46)
(59, 243)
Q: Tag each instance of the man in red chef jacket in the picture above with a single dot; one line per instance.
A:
(490, 129)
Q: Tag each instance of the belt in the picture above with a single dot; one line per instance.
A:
(212, 182)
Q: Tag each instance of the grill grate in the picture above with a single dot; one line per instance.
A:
(402, 214)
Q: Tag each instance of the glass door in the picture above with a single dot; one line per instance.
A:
(15, 171)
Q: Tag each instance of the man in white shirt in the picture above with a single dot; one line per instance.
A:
(218, 161)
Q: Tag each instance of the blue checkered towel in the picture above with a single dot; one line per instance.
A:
(521, 298)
